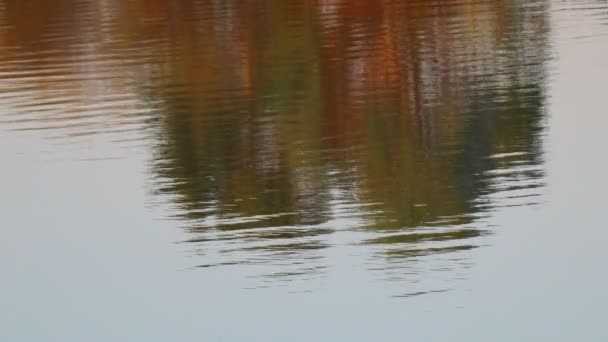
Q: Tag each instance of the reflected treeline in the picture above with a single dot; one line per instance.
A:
(276, 123)
(294, 120)
(67, 73)
(279, 111)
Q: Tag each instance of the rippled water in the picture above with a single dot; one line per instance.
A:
(302, 170)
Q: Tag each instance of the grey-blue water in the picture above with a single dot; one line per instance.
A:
(303, 170)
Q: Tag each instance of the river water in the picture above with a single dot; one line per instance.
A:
(303, 170)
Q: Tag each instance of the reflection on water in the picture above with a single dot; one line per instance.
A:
(281, 131)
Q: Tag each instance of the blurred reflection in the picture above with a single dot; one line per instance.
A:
(389, 125)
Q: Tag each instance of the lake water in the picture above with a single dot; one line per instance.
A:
(303, 170)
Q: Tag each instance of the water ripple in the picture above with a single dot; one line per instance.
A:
(280, 134)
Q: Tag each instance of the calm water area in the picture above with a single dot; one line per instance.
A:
(303, 170)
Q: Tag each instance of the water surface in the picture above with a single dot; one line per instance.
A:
(302, 170)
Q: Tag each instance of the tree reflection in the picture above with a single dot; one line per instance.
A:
(400, 105)
(286, 121)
